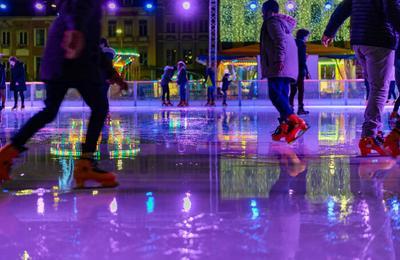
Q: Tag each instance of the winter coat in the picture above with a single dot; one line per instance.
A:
(302, 53)
(83, 16)
(278, 46)
(182, 77)
(167, 76)
(369, 23)
(18, 76)
(225, 83)
(2, 76)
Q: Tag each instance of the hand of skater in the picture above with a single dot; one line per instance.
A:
(326, 40)
(73, 44)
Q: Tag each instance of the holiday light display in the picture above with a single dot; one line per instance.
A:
(240, 23)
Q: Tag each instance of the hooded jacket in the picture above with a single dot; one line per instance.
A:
(18, 76)
(278, 46)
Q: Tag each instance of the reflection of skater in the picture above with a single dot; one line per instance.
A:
(165, 80)
(226, 82)
(18, 81)
(182, 82)
(71, 58)
(298, 87)
(210, 84)
(374, 42)
(278, 59)
(2, 85)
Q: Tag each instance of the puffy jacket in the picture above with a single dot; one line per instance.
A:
(18, 75)
(84, 16)
(369, 23)
(277, 45)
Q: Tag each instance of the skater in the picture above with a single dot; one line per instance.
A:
(226, 82)
(18, 81)
(301, 39)
(278, 59)
(182, 81)
(71, 59)
(374, 40)
(165, 80)
(210, 84)
(2, 85)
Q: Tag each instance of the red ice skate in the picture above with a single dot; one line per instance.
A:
(392, 142)
(297, 128)
(369, 144)
(7, 154)
(280, 132)
(86, 170)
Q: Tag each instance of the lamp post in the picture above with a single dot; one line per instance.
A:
(120, 36)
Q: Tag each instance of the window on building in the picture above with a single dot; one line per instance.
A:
(171, 57)
(112, 28)
(128, 28)
(23, 39)
(5, 39)
(143, 58)
(143, 28)
(171, 28)
(40, 37)
(203, 28)
(38, 63)
(187, 27)
(188, 56)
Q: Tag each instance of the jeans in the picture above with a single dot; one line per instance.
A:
(182, 92)
(377, 64)
(392, 90)
(298, 86)
(224, 95)
(397, 73)
(165, 92)
(92, 94)
(210, 93)
(278, 89)
(21, 94)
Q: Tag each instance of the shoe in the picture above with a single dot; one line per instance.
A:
(170, 104)
(212, 104)
(280, 132)
(14, 108)
(22, 107)
(181, 103)
(392, 142)
(394, 115)
(301, 111)
(368, 144)
(7, 154)
(164, 104)
(208, 103)
(185, 104)
(86, 170)
(224, 104)
(297, 128)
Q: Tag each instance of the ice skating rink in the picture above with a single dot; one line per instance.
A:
(202, 184)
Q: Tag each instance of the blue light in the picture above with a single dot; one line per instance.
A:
(328, 5)
(3, 6)
(150, 204)
(149, 6)
(253, 6)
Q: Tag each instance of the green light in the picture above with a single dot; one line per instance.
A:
(240, 24)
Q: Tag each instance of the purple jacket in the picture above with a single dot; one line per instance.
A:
(277, 45)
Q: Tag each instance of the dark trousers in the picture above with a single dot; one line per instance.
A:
(278, 89)
(92, 94)
(392, 90)
(165, 92)
(210, 93)
(21, 94)
(224, 95)
(182, 92)
(297, 87)
(367, 89)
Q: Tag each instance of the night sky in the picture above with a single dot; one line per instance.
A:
(25, 8)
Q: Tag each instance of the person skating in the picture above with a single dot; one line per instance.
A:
(71, 58)
(182, 82)
(18, 81)
(298, 87)
(226, 82)
(165, 80)
(2, 85)
(374, 40)
(106, 63)
(210, 84)
(279, 64)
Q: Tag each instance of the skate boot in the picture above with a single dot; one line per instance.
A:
(392, 141)
(169, 104)
(297, 128)
(14, 108)
(22, 107)
(7, 154)
(164, 104)
(208, 103)
(86, 170)
(280, 132)
(224, 104)
(301, 111)
(368, 144)
(181, 103)
(394, 116)
(212, 103)
(185, 104)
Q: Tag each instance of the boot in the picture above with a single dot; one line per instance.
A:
(392, 142)
(169, 104)
(22, 107)
(15, 107)
(368, 144)
(185, 104)
(212, 103)
(7, 154)
(181, 103)
(86, 170)
(164, 104)
(280, 132)
(224, 104)
(301, 111)
(297, 128)
(208, 103)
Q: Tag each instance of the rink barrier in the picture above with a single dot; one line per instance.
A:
(241, 93)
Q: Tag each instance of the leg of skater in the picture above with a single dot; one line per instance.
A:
(293, 92)
(15, 100)
(300, 86)
(22, 95)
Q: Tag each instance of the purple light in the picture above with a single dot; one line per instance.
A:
(112, 6)
(186, 5)
(290, 6)
(39, 6)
